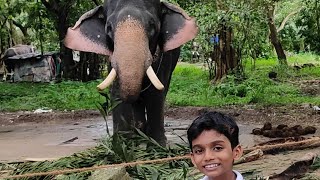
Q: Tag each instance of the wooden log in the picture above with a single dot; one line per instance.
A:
(40, 159)
(251, 156)
(287, 146)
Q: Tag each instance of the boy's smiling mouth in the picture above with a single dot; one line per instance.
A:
(212, 166)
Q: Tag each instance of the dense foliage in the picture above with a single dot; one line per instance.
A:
(30, 22)
(308, 24)
(247, 18)
(41, 22)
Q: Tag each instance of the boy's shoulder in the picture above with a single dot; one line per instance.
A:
(239, 176)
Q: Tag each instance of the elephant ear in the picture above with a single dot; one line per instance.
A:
(88, 34)
(177, 27)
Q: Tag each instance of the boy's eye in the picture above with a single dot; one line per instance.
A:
(197, 151)
(217, 148)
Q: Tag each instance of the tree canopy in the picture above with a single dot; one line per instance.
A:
(259, 27)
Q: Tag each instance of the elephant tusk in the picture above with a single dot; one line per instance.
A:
(109, 79)
(154, 79)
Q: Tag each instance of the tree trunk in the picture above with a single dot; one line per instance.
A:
(94, 67)
(274, 36)
(61, 11)
(11, 34)
(88, 67)
(317, 19)
(24, 30)
(224, 53)
(225, 60)
(1, 45)
(69, 72)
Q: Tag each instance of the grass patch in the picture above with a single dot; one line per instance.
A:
(190, 86)
(303, 58)
(60, 96)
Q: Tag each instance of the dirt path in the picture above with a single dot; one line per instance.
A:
(55, 135)
(25, 135)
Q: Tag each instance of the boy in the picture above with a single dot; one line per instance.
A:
(214, 141)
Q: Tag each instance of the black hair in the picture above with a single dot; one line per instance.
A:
(214, 121)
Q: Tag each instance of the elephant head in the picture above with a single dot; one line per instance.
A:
(130, 32)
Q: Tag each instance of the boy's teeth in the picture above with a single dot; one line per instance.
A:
(211, 165)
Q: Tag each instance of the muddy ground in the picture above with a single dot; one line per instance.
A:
(28, 135)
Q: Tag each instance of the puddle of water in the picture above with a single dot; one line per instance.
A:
(46, 141)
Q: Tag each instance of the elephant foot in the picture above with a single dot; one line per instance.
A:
(160, 139)
(163, 141)
(126, 134)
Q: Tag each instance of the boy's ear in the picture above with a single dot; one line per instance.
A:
(237, 152)
(192, 159)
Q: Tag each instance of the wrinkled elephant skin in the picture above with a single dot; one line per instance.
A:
(139, 36)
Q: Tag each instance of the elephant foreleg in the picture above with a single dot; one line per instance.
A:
(155, 117)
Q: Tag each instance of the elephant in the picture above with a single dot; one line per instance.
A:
(142, 39)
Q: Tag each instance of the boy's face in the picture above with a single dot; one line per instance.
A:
(213, 156)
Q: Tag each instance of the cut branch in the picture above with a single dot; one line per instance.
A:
(286, 19)
(23, 29)
(284, 145)
(274, 35)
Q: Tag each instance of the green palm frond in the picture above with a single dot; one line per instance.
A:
(117, 149)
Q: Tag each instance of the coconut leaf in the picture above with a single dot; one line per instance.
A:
(117, 149)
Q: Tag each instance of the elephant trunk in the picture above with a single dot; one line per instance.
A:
(131, 57)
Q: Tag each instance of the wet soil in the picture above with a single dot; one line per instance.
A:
(28, 135)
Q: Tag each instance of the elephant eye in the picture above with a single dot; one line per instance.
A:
(152, 32)
(152, 29)
(109, 30)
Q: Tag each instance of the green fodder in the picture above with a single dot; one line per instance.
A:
(114, 150)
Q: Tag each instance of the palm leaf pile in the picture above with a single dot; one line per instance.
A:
(118, 149)
(113, 150)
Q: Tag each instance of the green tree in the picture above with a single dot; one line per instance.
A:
(309, 21)
(9, 35)
(274, 38)
(61, 13)
(230, 21)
